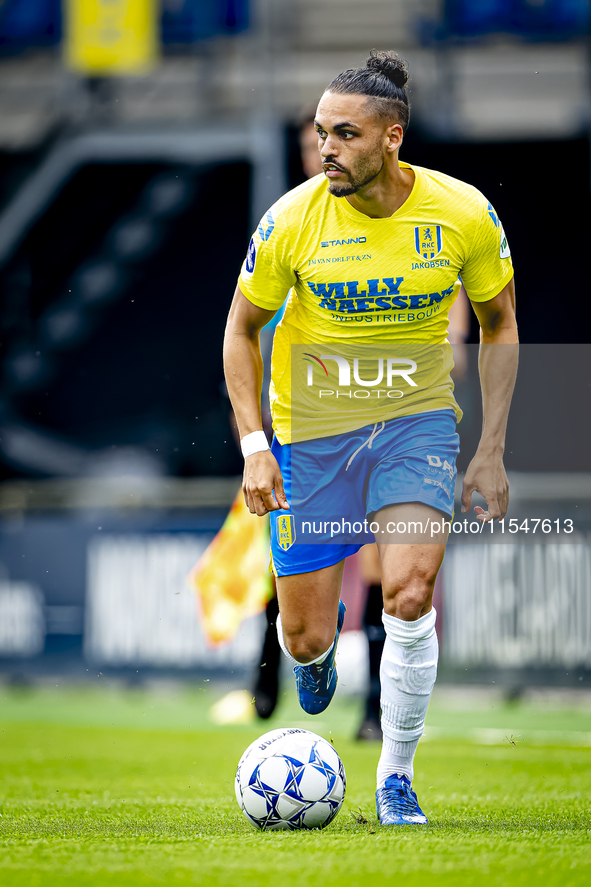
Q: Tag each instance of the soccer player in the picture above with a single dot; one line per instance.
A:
(373, 250)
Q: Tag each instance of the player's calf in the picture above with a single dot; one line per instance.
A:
(316, 681)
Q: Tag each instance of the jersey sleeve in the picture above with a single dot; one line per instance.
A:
(267, 273)
(488, 267)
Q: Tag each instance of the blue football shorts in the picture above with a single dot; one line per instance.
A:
(334, 484)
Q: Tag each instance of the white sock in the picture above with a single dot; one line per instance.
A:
(396, 757)
(407, 674)
(291, 658)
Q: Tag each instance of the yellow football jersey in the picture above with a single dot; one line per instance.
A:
(362, 289)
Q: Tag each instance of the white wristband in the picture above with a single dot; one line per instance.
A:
(255, 442)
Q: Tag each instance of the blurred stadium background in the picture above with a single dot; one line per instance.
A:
(140, 141)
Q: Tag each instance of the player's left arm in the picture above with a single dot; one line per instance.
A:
(497, 364)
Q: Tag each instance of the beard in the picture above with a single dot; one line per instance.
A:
(366, 170)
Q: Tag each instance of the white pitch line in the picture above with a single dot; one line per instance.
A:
(495, 736)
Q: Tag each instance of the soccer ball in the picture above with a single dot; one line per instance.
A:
(290, 779)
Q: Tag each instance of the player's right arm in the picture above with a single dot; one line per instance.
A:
(488, 278)
(243, 368)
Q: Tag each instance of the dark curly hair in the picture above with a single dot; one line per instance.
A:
(383, 80)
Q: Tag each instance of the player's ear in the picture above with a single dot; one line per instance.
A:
(394, 133)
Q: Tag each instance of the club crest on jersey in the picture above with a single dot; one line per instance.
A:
(428, 241)
(285, 531)
(266, 226)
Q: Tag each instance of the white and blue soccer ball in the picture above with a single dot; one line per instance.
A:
(290, 779)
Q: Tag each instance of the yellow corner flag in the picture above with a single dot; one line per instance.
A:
(231, 579)
(110, 37)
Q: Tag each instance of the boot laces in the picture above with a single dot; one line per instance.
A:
(400, 799)
(311, 676)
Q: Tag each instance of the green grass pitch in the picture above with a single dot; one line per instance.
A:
(107, 786)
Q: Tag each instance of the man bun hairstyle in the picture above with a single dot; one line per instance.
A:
(390, 65)
(383, 80)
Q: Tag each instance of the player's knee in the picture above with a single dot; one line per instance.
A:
(307, 646)
(409, 600)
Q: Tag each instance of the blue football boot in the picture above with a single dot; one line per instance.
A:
(396, 803)
(316, 683)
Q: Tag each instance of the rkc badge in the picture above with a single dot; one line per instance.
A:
(285, 531)
(428, 240)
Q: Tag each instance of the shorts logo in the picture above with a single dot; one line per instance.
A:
(266, 226)
(435, 462)
(428, 241)
(285, 531)
(251, 256)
